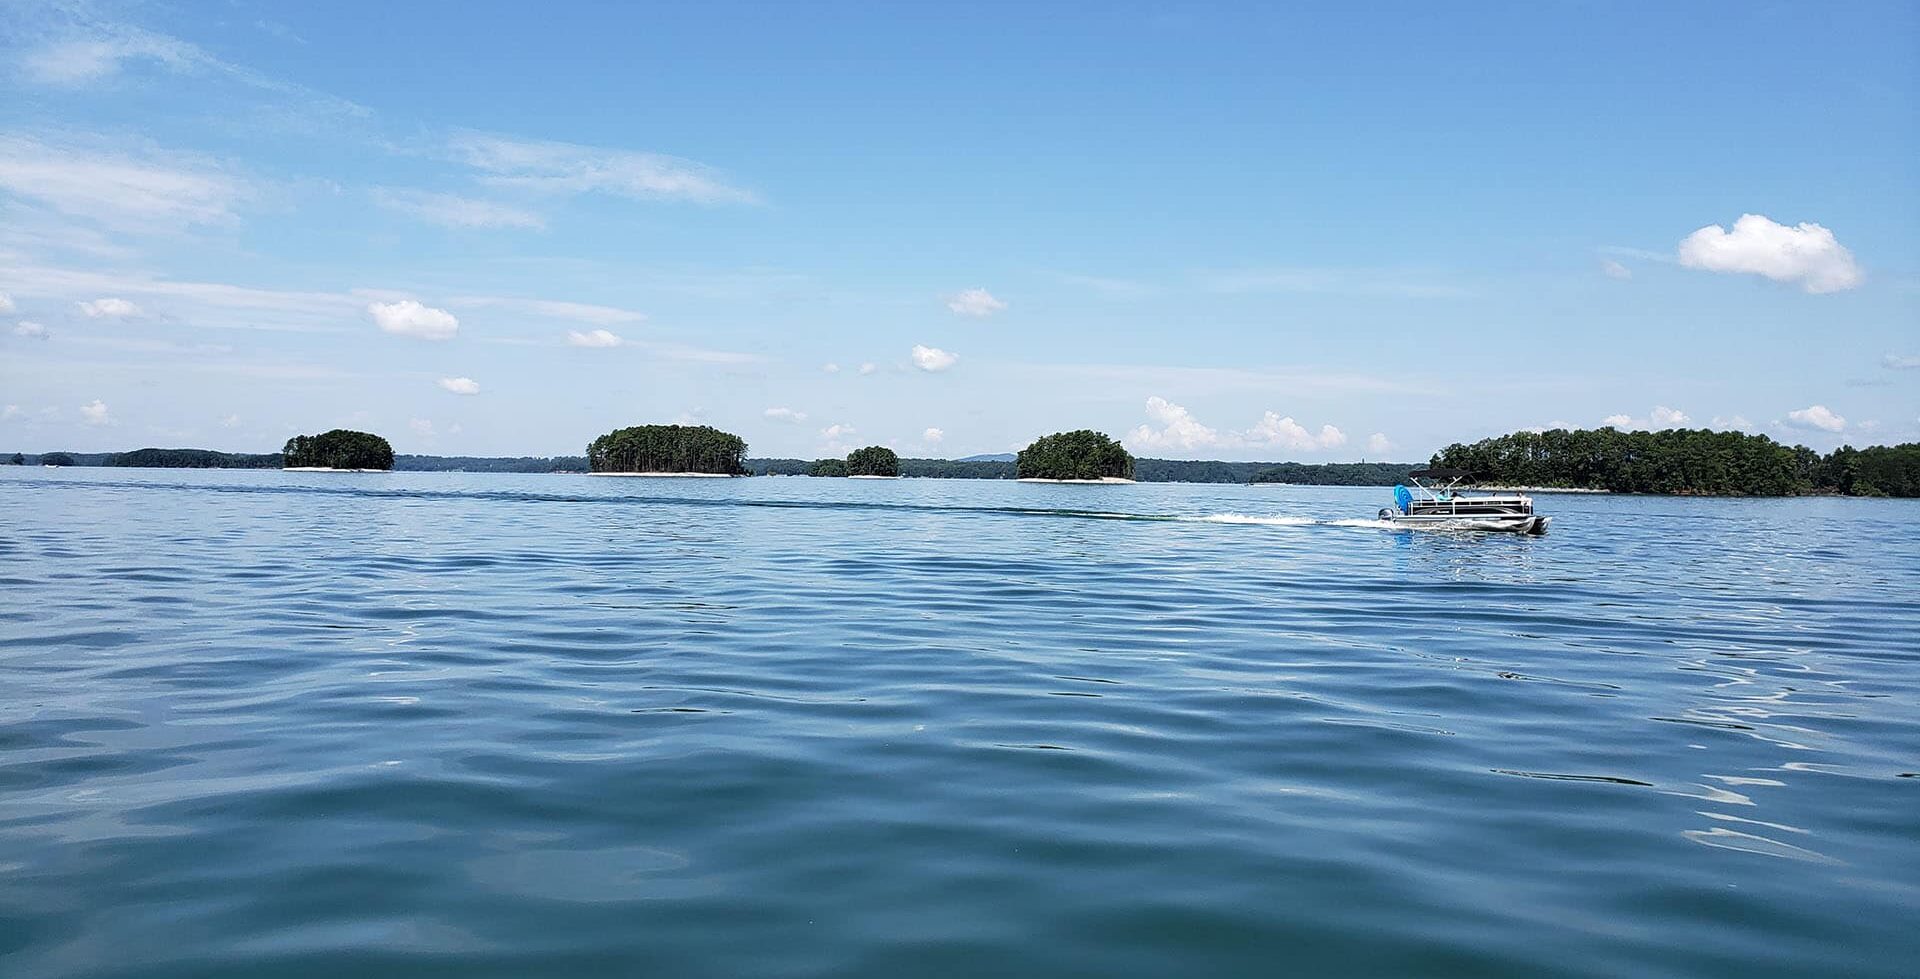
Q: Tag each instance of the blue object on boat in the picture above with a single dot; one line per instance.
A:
(1403, 497)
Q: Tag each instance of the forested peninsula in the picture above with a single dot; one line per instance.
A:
(1685, 461)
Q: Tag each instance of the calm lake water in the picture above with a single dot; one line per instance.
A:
(267, 724)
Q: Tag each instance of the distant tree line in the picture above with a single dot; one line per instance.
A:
(1328, 473)
(193, 459)
(668, 448)
(1685, 461)
(340, 448)
(1081, 454)
(484, 464)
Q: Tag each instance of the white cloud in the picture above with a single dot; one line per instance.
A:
(1808, 254)
(554, 309)
(830, 368)
(1731, 423)
(1180, 430)
(460, 385)
(1900, 362)
(30, 329)
(554, 167)
(95, 413)
(1615, 270)
(1662, 417)
(73, 63)
(412, 319)
(231, 421)
(785, 415)
(593, 338)
(1379, 444)
(6, 303)
(834, 433)
(1816, 416)
(109, 308)
(10, 412)
(974, 302)
(453, 211)
(421, 427)
(1273, 430)
(930, 359)
(155, 191)
(868, 368)
(1665, 417)
(933, 436)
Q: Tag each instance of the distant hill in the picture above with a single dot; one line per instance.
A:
(988, 457)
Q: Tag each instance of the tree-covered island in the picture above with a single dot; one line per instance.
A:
(1080, 456)
(874, 460)
(668, 449)
(338, 449)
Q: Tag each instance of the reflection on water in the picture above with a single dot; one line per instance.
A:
(260, 723)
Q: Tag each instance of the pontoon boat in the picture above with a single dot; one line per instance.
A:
(1435, 501)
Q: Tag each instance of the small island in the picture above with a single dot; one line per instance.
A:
(340, 450)
(1082, 456)
(667, 450)
(873, 462)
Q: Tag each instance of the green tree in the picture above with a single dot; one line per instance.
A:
(56, 459)
(338, 449)
(828, 467)
(1082, 454)
(668, 448)
(874, 460)
(17, 460)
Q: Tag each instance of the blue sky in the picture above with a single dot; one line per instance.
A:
(1216, 230)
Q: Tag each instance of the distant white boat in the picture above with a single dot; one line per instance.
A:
(1442, 505)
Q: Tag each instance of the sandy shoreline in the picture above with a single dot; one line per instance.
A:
(870, 476)
(1102, 481)
(671, 475)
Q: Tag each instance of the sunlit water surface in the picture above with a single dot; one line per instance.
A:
(267, 724)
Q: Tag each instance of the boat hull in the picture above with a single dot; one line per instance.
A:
(1508, 523)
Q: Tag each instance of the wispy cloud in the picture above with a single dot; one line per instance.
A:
(1900, 362)
(460, 385)
(131, 187)
(975, 302)
(552, 309)
(593, 339)
(569, 168)
(454, 211)
(1339, 281)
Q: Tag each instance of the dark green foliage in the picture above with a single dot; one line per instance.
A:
(17, 460)
(1331, 473)
(338, 449)
(1083, 454)
(957, 468)
(57, 459)
(483, 464)
(828, 467)
(192, 459)
(667, 449)
(874, 460)
(1880, 470)
(1684, 461)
